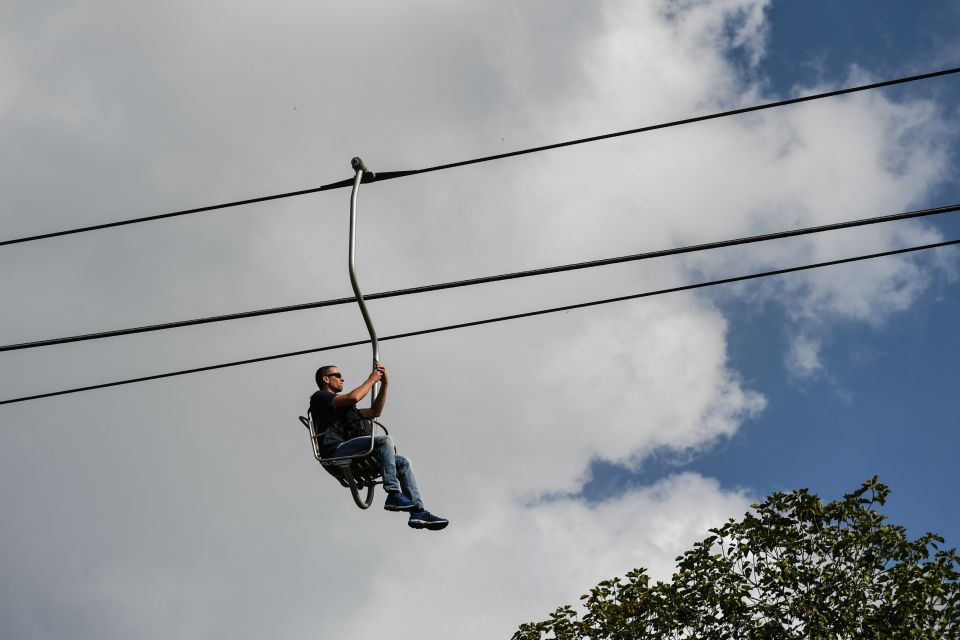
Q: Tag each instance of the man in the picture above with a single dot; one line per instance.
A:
(342, 427)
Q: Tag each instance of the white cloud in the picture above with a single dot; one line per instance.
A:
(526, 562)
(803, 357)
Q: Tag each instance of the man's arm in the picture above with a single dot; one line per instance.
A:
(351, 399)
(381, 399)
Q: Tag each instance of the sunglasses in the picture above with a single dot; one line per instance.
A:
(335, 375)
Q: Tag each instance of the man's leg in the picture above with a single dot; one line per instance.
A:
(388, 463)
(408, 483)
(420, 518)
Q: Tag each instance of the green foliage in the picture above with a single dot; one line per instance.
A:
(793, 568)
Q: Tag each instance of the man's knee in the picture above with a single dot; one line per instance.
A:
(403, 462)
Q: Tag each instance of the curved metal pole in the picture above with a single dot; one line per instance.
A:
(363, 504)
(360, 169)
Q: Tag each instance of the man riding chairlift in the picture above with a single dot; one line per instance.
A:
(344, 432)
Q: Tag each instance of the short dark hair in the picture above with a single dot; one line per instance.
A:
(324, 371)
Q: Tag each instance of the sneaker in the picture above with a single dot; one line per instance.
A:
(399, 502)
(426, 520)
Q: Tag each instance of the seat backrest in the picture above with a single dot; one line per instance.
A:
(314, 438)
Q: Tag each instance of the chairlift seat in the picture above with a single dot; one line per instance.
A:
(356, 472)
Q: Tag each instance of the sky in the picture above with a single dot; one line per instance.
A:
(565, 449)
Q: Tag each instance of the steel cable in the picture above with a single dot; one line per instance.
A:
(389, 175)
(475, 323)
(485, 279)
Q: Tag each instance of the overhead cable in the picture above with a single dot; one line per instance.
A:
(389, 175)
(475, 323)
(485, 279)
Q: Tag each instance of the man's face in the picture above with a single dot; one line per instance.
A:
(335, 380)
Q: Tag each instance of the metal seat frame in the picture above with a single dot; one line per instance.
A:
(355, 472)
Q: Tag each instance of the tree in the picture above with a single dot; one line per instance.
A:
(793, 568)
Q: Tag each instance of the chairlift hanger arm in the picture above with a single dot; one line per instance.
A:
(362, 174)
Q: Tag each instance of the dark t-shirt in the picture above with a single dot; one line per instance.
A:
(335, 425)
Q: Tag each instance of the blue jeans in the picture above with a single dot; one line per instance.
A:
(396, 470)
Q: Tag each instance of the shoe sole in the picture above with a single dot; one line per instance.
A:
(412, 507)
(430, 526)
